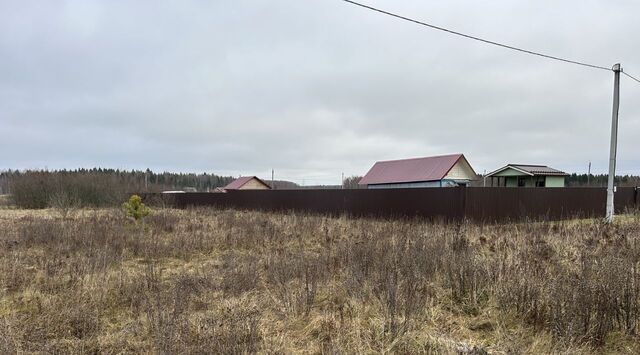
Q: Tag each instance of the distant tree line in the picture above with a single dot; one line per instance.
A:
(351, 182)
(96, 187)
(601, 180)
(282, 185)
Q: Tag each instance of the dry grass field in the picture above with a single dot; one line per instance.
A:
(209, 281)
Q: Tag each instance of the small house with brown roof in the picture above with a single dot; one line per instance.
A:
(247, 183)
(437, 171)
(527, 175)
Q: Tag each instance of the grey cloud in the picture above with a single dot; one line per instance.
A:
(312, 88)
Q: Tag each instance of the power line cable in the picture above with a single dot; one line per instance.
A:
(480, 39)
(629, 75)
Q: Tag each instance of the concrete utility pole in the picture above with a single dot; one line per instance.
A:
(589, 175)
(614, 141)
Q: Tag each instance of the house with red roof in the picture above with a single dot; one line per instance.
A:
(247, 183)
(438, 171)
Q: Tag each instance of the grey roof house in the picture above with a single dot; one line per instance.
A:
(527, 175)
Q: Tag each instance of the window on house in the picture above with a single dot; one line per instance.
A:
(522, 181)
(540, 181)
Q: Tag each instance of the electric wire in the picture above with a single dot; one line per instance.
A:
(629, 75)
(478, 38)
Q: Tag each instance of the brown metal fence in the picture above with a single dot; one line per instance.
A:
(479, 204)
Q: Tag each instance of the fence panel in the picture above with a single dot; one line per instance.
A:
(505, 203)
(433, 203)
(475, 203)
(626, 198)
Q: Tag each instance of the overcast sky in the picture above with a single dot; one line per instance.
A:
(312, 88)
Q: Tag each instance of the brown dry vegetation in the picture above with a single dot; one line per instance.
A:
(208, 281)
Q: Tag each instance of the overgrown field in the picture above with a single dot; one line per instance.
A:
(208, 281)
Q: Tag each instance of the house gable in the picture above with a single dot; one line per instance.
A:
(254, 184)
(510, 171)
(247, 183)
(462, 170)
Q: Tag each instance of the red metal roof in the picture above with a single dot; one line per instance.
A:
(239, 182)
(410, 170)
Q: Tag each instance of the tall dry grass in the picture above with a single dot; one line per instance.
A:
(207, 281)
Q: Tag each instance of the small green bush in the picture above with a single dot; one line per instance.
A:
(135, 209)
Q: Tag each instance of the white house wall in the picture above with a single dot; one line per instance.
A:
(461, 171)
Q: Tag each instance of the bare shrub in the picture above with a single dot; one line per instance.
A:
(159, 200)
(64, 203)
(166, 312)
(294, 279)
(211, 281)
(5, 201)
(232, 330)
(395, 268)
(465, 273)
(582, 302)
(241, 274)
(163, 221)
(66, 317)
(8, 343)
(38, 189)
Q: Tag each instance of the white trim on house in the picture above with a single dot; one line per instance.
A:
(509, 167)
